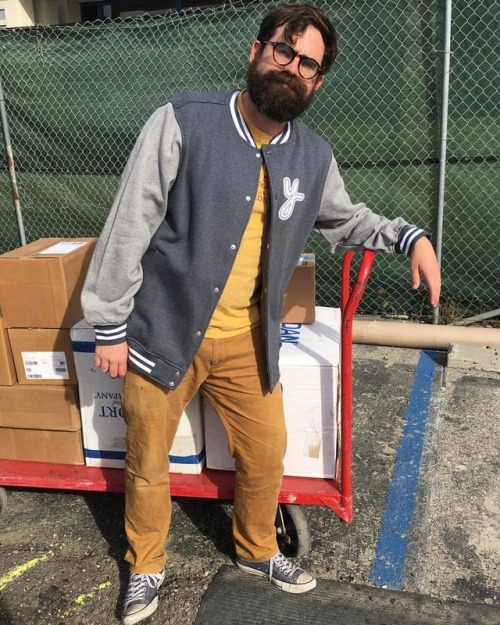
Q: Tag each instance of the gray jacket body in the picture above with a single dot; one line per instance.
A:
(178, 219)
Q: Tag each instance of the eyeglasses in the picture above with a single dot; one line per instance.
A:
(284, 54)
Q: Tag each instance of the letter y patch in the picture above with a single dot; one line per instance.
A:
(291, 192)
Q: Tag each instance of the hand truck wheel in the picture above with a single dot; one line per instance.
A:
(292, 530)
(3, 500)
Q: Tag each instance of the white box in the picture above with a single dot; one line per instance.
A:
(103, 426)
(310, 366)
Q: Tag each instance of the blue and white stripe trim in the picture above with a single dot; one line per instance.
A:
(408, 236)
(140, 361)
(243, 129)
(110, 334)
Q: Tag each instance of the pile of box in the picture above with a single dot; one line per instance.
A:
(56, 406)
(39, 301)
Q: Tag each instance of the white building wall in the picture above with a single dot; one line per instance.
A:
(28, 12)
(18, 13)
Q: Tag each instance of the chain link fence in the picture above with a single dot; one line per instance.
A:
(77, 96)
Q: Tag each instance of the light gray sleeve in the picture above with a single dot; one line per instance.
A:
(140, 206)
(353, 227)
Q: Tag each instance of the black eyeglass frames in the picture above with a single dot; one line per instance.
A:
(284, 54)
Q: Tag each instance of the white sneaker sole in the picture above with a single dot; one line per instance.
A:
(291, 588)
(140, 615)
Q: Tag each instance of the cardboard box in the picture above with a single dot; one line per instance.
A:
(310, 365)
(7, 368)
(40, 424)
(43, 356)
(299, 301)
(41, 283)
(102, 420)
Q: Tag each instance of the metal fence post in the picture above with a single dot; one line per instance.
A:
(10, 164)
(443, 139)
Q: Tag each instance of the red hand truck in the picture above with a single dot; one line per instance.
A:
(291, 523)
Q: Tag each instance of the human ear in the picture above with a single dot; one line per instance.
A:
(319, 82)
(254, 50)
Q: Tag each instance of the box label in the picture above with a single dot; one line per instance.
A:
(64, 247)
(45, 365)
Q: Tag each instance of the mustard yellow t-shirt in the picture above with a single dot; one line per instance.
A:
(238, 307)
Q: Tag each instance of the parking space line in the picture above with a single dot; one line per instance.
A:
(22, 568)
(81, 599)
(390, 555)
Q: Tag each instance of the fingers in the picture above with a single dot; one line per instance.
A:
(112, 359)
(433, 282)
(423, 263)
(434, 292)
(415, 278)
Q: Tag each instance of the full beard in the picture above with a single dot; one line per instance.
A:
(278, 94)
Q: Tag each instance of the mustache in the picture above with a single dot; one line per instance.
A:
(285, 78)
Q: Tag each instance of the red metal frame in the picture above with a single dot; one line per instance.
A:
(335, 494)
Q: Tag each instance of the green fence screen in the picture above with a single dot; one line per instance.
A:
(77, 96)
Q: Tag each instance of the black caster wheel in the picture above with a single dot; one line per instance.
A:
(292, 530)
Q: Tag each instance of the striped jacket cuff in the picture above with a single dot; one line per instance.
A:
(407, 238)
(110, 335)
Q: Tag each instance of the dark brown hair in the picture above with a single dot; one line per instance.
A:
(296, 18)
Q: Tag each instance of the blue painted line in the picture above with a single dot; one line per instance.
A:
(388, 566)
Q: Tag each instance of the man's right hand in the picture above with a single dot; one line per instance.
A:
(112, 359)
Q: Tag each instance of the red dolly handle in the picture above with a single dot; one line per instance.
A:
(350, 301)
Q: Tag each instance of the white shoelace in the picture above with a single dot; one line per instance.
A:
(283, 564)
(138, 585)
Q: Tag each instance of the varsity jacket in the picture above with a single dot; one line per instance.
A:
(184, 200)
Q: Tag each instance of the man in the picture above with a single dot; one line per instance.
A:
(186, 285)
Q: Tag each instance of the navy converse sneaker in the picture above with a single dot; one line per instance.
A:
(141, 599)
(281, 572)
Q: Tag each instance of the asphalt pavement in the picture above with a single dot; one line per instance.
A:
(426, 468)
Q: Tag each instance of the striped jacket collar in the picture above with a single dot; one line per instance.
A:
(242, 127)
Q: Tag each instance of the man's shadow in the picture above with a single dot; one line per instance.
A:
(211, 520)
(108, 510)
(208, 517)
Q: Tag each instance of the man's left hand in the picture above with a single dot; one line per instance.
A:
(423, 262)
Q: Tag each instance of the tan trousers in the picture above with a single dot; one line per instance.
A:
(231, 375)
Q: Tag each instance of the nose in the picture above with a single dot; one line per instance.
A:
(293, 67)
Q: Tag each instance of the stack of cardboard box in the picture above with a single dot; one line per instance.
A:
(55, 406)
(40, 286)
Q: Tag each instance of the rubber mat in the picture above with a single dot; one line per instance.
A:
(236, 598)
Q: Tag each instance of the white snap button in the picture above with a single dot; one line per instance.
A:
(233, 246)
(248, 198)
(171, 384)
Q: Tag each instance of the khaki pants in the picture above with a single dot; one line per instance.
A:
(231, 374)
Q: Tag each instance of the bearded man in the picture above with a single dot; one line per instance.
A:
(185, 289)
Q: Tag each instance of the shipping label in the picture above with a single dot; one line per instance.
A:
(64, 247)
(45, 365)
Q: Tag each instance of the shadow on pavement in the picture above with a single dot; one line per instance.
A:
(108, 510)
(211, 520)
(5, 617)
